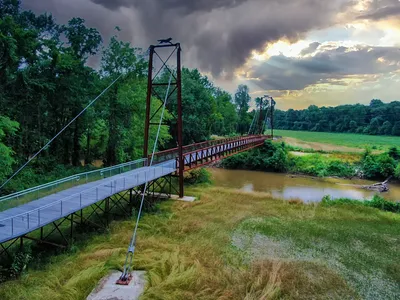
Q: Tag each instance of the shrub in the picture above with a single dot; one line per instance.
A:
(278, 162)
(197, 176)
(338, 168)
(387, 165)
(394, 153)
(397, 172)
(370, 167)
(382, 204)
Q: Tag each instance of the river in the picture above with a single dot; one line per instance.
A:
(307, 189)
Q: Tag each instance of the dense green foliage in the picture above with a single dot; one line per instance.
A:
(277, 158)
(270, 157)
(50, 72)
(7, 127)
(377, 118)
(197, 176)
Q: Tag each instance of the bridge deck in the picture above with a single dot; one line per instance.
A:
(25, 218)
(20, 220)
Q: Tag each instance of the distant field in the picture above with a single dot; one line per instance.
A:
(341, 141)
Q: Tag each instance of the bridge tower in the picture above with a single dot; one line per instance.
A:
(158, 65)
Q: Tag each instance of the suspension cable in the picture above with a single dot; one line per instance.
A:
(126, 275)
(254, 118)
(265, 121)
(61, 131)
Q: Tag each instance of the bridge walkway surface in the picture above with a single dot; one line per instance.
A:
(28, 217)
(58, 199)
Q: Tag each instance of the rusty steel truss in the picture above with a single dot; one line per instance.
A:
(98, 215)
(175, 83)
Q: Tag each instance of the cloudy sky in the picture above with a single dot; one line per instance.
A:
(300, 51)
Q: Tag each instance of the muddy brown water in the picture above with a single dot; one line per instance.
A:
(307, 189)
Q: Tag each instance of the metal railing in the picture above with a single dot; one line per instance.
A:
(38, 217)
(173, 153)
(49, 188)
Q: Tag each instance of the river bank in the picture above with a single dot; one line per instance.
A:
(299, 187)
(282, 158)
(233, 244)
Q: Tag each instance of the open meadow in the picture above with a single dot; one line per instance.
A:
(341, 142)
(235, 245)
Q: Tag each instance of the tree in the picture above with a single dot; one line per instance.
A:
(242, 101)
(353, 126)
(7, 128)
(376, 118)
(386, 128)
(121, 59)
(396, 129)
(374, 126)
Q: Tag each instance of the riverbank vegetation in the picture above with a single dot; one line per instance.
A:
(235, 245)
(279, 157)
(376, 202)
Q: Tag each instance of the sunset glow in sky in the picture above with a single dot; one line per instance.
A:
(300, 51)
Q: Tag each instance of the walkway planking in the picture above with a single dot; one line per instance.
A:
(28, 217)
(25, 218)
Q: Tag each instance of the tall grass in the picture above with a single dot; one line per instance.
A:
(188, 252)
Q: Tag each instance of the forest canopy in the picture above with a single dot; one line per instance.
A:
(46, 80)
(377, 118)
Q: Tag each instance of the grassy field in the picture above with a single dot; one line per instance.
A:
(339, 141)
(235, 245)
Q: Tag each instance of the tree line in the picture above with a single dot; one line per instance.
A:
(46, 80)
(377, 118)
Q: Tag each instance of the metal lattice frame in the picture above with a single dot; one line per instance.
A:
(176, 83)
(98, 215)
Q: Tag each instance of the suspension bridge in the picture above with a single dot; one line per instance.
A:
(37, 213)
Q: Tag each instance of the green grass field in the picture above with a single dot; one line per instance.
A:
(343, 139)
(235, 245)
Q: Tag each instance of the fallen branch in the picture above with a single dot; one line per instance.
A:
(380, 186)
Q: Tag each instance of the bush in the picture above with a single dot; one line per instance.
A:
(338, 168)
(278, 162)
(394, 153)
(270, 157)
(397, 172)
(370, 167)
(382, 204)
(387, 165)
(197, 176)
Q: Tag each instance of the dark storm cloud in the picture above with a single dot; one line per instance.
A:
(382, 9)
(183, 6)
(216, 35)
(331, 66)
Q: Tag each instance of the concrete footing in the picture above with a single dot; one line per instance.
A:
(109, 290)
(184, 198)
(176, 197)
